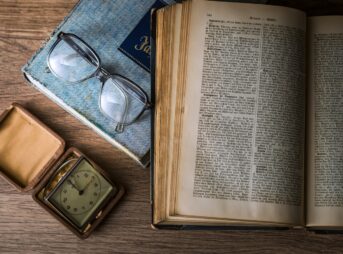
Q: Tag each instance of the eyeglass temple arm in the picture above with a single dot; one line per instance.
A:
(148, 105)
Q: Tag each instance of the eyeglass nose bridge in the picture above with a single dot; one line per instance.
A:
(102, 75)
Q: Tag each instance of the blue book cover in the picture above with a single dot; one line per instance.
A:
(118, 31)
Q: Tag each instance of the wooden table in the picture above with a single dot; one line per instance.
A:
(26, 228)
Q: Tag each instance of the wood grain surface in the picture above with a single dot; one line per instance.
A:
(26, 228)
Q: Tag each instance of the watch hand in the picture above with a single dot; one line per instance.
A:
(73, 183)
(87, 185)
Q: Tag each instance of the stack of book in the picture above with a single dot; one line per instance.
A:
(119, 32)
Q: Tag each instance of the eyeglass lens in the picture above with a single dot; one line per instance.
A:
(70, 65)
(121, 104)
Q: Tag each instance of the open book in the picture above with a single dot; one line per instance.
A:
(248, 117)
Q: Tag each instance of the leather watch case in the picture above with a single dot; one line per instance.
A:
(30, 153)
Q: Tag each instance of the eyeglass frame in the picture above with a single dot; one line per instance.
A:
(101, 74)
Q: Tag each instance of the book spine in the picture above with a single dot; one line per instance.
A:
(152, 72)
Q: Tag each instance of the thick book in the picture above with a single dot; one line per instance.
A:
(118, 31)
(237, 88)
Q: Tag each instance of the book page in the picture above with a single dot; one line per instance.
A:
(325, 129)
(243, 131)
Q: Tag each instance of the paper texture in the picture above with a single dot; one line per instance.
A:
(325, 131)
(242, 143)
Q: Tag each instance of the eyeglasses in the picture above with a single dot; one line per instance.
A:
(74, 61)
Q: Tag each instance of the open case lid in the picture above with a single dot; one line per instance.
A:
(28, 148)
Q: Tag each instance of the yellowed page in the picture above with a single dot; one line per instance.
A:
(242, 143)
(325, 132)
(174, 77)
(162, 111)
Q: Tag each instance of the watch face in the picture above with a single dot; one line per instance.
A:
(81, 193)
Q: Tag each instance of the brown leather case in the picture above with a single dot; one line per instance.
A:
(46, 170)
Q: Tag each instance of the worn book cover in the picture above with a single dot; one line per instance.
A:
(117, 30)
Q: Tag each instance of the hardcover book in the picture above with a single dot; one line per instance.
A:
(235, 97)
(117, 30)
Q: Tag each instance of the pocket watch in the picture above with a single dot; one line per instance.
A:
(78, 192)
